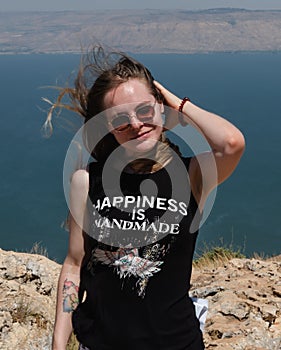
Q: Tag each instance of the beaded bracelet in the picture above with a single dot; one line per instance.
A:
(181, 120)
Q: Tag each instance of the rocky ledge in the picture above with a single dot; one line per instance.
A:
(244, 298)
(27, 302)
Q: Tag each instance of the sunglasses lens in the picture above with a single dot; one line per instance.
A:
(121, 122)
(145, 113)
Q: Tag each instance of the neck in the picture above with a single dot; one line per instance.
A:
(151, 161)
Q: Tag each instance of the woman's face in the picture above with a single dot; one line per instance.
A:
(134, 116)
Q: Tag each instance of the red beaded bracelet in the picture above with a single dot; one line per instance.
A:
(181, 120)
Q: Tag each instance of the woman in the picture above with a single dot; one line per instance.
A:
(124, 283)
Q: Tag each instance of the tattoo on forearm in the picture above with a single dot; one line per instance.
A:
(70, 296)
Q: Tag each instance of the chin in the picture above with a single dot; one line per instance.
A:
(139, 147)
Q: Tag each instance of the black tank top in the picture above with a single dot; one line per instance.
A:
(136, 271)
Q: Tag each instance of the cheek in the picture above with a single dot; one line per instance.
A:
(156, 133)
(120, 138)
(159, 120)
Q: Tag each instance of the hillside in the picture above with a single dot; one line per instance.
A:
(145, 31)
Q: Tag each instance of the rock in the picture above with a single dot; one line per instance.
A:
(245, 313)
(5, 321)
(277, 291)
(206, 291)
(244, 298)
(28, 285)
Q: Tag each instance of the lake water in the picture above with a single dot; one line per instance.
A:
(244, 88)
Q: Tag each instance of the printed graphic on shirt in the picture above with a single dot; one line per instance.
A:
(142, 202)
(127, 262)
(134, 225)
(139, 220)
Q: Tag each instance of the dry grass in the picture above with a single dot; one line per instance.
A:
(22, 310)
(24, 313)
(38, 249)
(274, 258)
(216, 256)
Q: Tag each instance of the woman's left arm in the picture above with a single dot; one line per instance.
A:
(226, 141)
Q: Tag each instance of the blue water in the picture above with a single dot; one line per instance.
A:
(245, 88)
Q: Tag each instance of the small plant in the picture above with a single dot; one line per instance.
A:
(217, 255)
(38, 249)
(22, 311)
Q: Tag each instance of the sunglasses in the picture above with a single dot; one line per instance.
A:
(122, 121)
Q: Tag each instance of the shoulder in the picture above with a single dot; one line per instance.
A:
(78, 193)
(80, 180)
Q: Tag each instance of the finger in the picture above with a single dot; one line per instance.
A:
(171, 99)
(159, 86)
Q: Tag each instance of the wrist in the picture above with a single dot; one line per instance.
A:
(59, 342)
(180, 109)
(56, 346)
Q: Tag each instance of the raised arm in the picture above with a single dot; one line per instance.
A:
(226, 142)
(68, 284)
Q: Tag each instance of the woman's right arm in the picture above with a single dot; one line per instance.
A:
(68, 284)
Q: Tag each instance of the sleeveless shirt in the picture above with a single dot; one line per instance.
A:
(135, 275)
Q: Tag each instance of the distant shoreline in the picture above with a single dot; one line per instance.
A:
(141, 31)
(208, 10)
(60, 53)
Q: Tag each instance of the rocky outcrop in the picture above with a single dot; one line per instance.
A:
(244, 302)
(27, 302)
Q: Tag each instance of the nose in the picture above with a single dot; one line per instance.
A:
(135, 122)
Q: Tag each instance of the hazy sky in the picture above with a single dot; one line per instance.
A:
(57, 5)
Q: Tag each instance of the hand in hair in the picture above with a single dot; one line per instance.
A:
(171, 101)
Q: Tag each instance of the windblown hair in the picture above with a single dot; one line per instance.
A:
(100, 72)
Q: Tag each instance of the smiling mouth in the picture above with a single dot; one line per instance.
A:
(142, 135)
